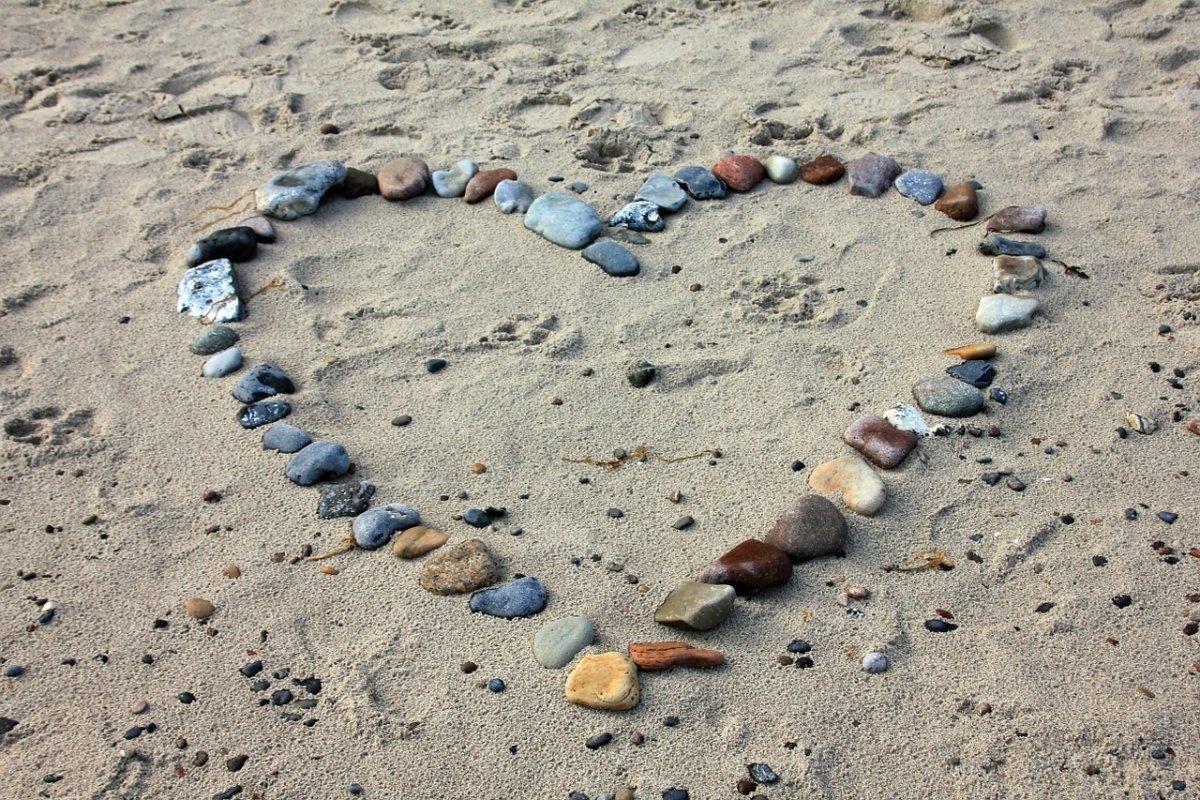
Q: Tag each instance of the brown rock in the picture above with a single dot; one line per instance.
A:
(740, 173)
(198, 608)
(653, 656)
(484, 182)
(822, 170)
(232, 571)
(959, 202)
(463, 568)
(883, 444)
(811, 527)
(417, 541)
(359, 183)
(749, 567)
(403, 178)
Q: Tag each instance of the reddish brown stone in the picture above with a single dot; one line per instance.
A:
(652, 656)
(883, 444)
(960, 202)
(822, 170)
(749, 567)
(481, 186)
(403, 178)
(740, 173)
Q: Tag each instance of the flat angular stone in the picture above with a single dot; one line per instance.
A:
(657, 656)
(236, 244)
(557, 642)
(1017, 274)
(612, 258)
(781, 169)
(749, 567)
(463, 568)
(663, 191)
(960, 202)
(564, 220)
(1003, 312)
(871, 175)
(344, 499)
(297, 192)
(921, 185)
(523, 597)
(319, 461)
(605, 681)
(221, 364)
(1000, 246)
(696, 605)
(812, 527)
(700, 183)
(417, 541)
(513, 197)
(484, 183)
(256, 415)
(640, 215)
(947, 397)
(453, 182)
(265, 380)
(822, 170)
(284, 438)
(374, 527)
(213, 339)
(974, 372)
(210, 292)
(879, 441)
(1018, 219)
(858, 484)
(403, 179)
(739, 173)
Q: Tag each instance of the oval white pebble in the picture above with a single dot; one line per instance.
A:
(875, 662)
(222, 363)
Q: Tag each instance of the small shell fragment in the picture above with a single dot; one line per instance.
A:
(971, 351)
(1140, 423)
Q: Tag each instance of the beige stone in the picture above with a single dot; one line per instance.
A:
(417, 541)
(861, 488)
(198, 608)
(607, 681)
(1017, 273)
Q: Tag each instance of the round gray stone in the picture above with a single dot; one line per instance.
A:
(947, 397)
(213, 340)
(565, 220)
(319, 461)
(513, 196)
(557, 642)
(374, 528)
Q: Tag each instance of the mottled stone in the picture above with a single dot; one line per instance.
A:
(700, 183)
(513, 197)
(463, 568)
(947, 397)
(236, 244)
(960, 202)
(483, 183)
(297, 192)
(1018, 219)
(523, 597)
(284, 438)
(213, 339)
(640, 215)
(1003, 312)
(258, 414)
(871, 175)
(822, 170)
(811, 527)
(209, 291)
(453, 182)
(1017, 274)
(749, 567)
(740, 173)
(641, 372)
(920, 184)
(879, 441)
(858, 484)
(781, 169)
(663, 191)
(403, 179)
(319, 461)
(696, 605)
(1000, 246)
(417, 541)
(605, 681)
(657, 656)
(344, 499)
(564, 220)
(557, 642)
(265, 380)
(374, 528)
(221, 364)
(611, 257)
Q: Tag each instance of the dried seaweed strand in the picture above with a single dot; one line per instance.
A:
(274, 283)
(959, 227)
(232, 208)
(346, 545)
(640, 453)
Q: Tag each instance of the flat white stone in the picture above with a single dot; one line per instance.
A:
(209, 292)
(1003, 312)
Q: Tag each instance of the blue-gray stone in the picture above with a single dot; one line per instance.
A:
(921, 185)
(700, 183)
(663, 191)
(557, 642)
(1001, 246)
(477, 518)
(345, 499)
(298, 191)
(612, 258)
(319, 461)
(453, 182)
(640, 215)
(265, 380)
(373, 529)
(222, 363)
(513, 196)
(578, 187)
(237, 244)
(210, 292)
(284, 438)
(871, 175)
(258, 414)
(947, 397)
(565, 220)
(213, 340)
(523, 597)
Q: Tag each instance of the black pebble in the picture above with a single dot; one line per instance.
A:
(598, 741)
(1122, 601)
(281, 697)
(14, 671)
(187, 698)
(797, 466)
(1178, 786)
(1158, 754)
(354, 789)
(434, 365)
(228, 794)
(7, 725)
(251, 669)
(147, 659)
(1131, 514)
(938, 625)
(999, 395)
(616, 513)
(159, 624)
(51, 778)
(1066, 519)
(1164, 329)
(975, 372)
(256, 415)
(401, 421)
(235, 763)
(311, 685)
(671, 721)
(1099, 561)
(676, 794)
(991, 478)
(804, 662)
(683, 523)
(798, 646)
(134, 732)
(1168, 517)
(1043, 608)
(237, 244)
(280, 674)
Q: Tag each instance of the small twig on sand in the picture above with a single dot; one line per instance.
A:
(345, 546)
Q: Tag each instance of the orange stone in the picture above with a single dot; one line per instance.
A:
(740, 173)
(653, 656)
(822, 170)
(960, 202)
(481, 186)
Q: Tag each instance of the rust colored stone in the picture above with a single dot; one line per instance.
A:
(883, 444)
(654, 656)
(749, 567)
(822, 170)
(740, 173)
(959, 202)
(481, 186)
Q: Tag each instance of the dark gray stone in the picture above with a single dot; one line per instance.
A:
(284, 438)
(258, 414)
(871, 175)
(237, 244)
(213, 340)
(700, 183)
(265, 380)
(612, 258)
(320, 461)
(523, 597)
(345, 499)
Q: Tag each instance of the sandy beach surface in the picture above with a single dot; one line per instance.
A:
(775, 318)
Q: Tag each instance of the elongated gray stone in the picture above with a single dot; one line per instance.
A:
(285, 438)
(222, 363)
(663, 191)
(513, 196)
(612, 258)
(209, 291)
(565, 220)
(523, 597)
(1002, 246)
(319, 461)
(557, 642)
(297, 192)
